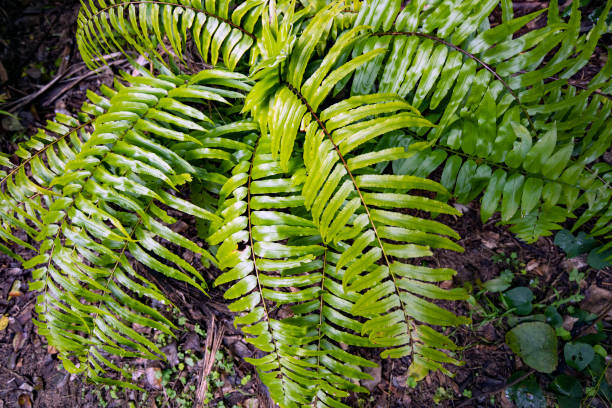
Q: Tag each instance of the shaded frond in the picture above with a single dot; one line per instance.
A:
(154, 28)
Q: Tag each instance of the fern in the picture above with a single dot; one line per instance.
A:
(154, 28)
(528, 134)
(316, 169)
(95, 205)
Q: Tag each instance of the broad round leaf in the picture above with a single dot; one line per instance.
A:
(536, 344)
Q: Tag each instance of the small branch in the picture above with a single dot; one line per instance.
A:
(602, 315)
(16, 374)
(213, 342)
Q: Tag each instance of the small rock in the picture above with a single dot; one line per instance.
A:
(568, 322)
(11, 124)
(578, 262)
(14, 272)
(251, 403)
(192, 342)
(26, 387)
(399, 381)
(227, 386)
(447, 284)
(34, 73)
(240, 349)
(376, 373)
(136, 374)
(490, 239)
(154, 377)
(488, 332)
(531, 265)
(461, 208)
(171, 354)
(180, 227)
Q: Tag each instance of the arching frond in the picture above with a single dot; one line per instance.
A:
(511, 124)
(352, 205)
(101, 208)
(316, 191)
(273, 257)
(156, 28)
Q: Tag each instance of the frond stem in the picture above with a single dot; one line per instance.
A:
(44, 149)
(321, 314)
(251, 243)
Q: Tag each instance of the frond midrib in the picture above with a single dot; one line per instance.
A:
(407, 319)
(44, 149)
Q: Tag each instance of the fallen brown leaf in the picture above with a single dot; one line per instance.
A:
(15, 290)
(596, 300)
(4, 321)
(18, 341)
(24, 401)
(154, 377)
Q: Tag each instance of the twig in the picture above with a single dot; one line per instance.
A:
(213, 342)
(600, 317)
(21, 102)
(79, 79)
(16, 374)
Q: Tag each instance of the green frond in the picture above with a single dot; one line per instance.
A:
(359, 212)
(313, 172)
(103, 206)
(156, 29)
(355, 206)
(504, 113)
(273, 257)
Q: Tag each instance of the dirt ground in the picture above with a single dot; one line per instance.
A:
(37, 48)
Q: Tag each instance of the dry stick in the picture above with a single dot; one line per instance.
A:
(213, 342)
(601, 316)
(79, 79)
(15, 374)
(19, 103)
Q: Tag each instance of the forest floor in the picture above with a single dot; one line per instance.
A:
(41, 73)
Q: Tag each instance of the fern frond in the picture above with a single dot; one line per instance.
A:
(364, 211)
(274, 257)
(25, 200)
(351, 206)
(503, 112)
(152, 27)
(111, 187)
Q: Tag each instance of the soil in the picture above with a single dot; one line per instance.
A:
(36, 46)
